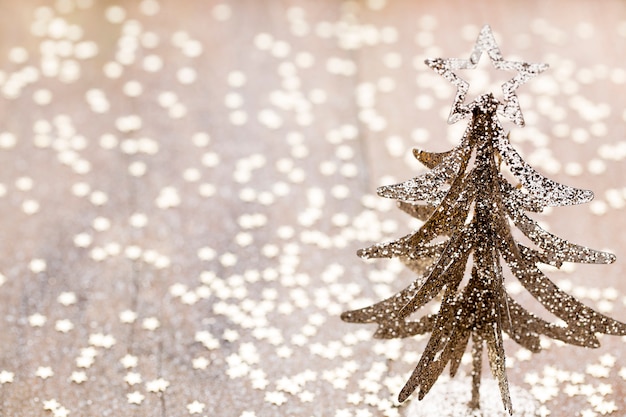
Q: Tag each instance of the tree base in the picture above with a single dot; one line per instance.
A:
(451, 398)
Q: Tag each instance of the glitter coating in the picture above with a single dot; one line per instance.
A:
(486, 43)
(467, 201)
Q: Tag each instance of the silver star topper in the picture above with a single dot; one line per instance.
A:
(486, 43)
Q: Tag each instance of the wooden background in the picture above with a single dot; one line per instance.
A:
(184, 184)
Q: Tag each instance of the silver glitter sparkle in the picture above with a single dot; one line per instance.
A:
(469, 208)
(486, 43)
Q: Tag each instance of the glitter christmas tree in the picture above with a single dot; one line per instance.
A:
(469, 208)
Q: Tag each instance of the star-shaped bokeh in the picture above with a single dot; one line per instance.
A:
(486, 43)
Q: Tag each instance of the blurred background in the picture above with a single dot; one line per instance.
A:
(184, 185)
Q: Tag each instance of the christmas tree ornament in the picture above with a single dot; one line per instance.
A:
(469, 208)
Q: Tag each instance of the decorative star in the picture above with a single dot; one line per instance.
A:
(135, 397)
(67, 298)
(150, 323)
(84, 361)
(157, 385)
(260, 383)
(306, 396)
(588, 413)
(6, 377)
(129, 361)
(51, 405)
(486, 43)
(63, 326)
(195, 407)
(78, 377)
(37, 320)
(275, 397)
(44, 372)
(89, 352)
(132, 378)
(363, 413)
(189, 298)
(128, 316)
(355, 398)
(200, 362)
(61, 412)
(102, 340)
(284, 351)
